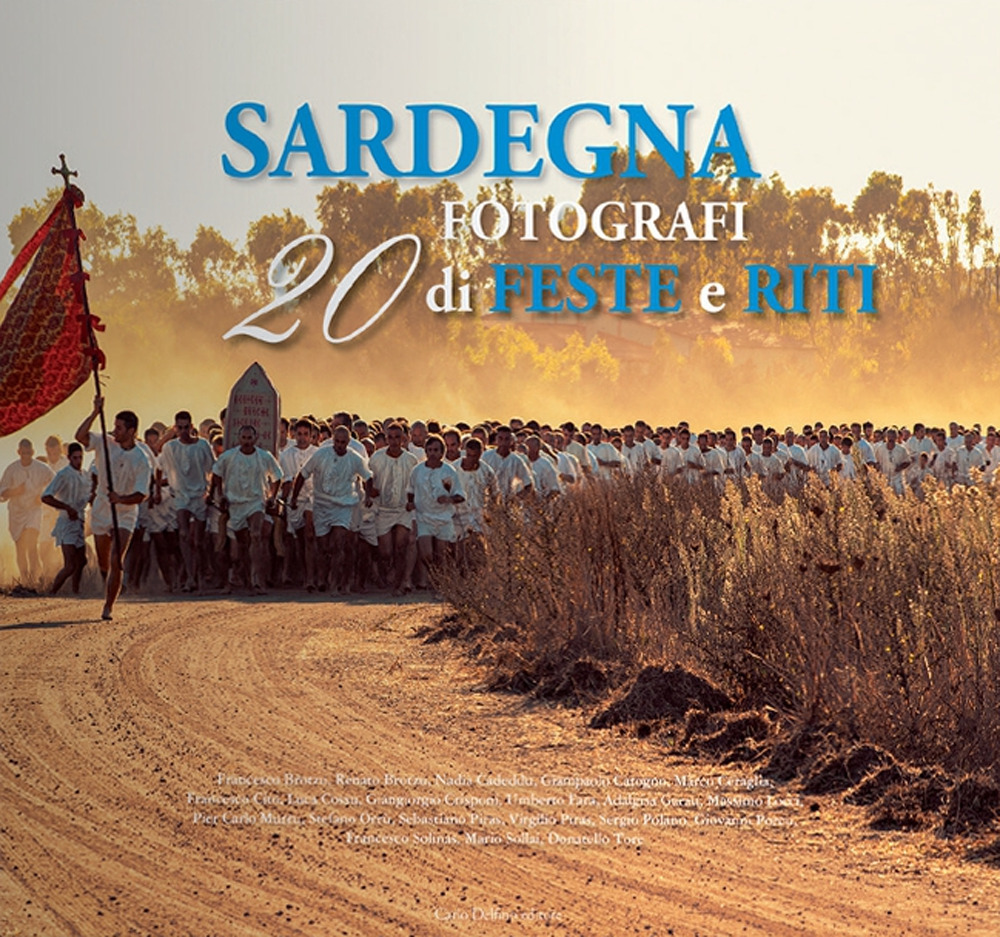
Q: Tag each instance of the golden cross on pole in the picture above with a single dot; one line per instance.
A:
(64, 170)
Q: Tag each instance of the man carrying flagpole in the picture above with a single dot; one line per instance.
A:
(114, 514)
(48, 349)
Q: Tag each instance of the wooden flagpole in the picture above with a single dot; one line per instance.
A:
(66, 172)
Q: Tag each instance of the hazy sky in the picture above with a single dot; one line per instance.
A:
(136, 93)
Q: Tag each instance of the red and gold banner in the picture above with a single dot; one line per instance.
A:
(46, 351)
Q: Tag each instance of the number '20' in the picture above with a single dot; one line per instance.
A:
(280, 277)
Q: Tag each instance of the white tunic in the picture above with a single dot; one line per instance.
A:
(653, 452)
(634, 458)
(942, 466)
(187, 467)
(512, 471)
(672, 462)
(891, 463)
(72, 488)
(335, 478)
(130, 473)
(391, 476)
(545, 477)
(967, 459)
(476, 485)
(292, 459)
(428, 484)
(245, 482)
(693, 462)
(605, 452)
(25, 508)
(824, 461)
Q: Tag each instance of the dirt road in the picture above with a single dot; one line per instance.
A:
(257, 767)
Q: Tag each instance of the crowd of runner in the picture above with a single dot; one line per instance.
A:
(348, 505)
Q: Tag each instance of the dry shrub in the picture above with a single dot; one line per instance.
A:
(911, 799)
(844, 770)
(988, 854)
(725, 736)
(873, 788)
(662, 694)
(845, 606)
(973, 804)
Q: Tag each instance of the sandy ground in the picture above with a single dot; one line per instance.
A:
(110, 734)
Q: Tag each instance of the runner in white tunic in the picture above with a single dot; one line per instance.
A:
(390, 468)
(715, 461)
(575, 448)
(671, 462)
(567, 465)
(633, 452)
(248, 478)
(68, 495)
(433, 491)
(967, 458)
(544, 476)
(21, 486)
(55, 459)
(692, 461)
(186, 461)
(511, 468)
(919, 441)
(609, 460)
(893, 460)
(824, 458)
(479, 482)
(300, 549)
(161, 523)
(130, 474)
(848, 470)
(643, 436)
(335, 471)
(736, 459)
(943, 465)
(992, 453)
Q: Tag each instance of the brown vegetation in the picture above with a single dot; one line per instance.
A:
(865, 622)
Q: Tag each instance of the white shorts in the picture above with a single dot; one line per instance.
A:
(100, 517)
(240, 513)
(387, 518)
(163, 516)
(296, 520)
(339, 515)
(194, 506)
(68, 533)
(367, 526)
(443, 529)
(468, 522)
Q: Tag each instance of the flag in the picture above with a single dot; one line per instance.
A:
(46, 339)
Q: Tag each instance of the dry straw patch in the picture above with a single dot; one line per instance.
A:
(874, 616)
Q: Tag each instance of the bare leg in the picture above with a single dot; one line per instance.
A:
(69, 553)
(411, 559)
(28, 563)
(308, 537)
(259, 553)
(81, 563)
(114, 583)
(338, 567)
(191, 531)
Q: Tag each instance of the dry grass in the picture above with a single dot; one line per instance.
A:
(844, 607)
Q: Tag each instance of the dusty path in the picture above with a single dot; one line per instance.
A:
(110, 734)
